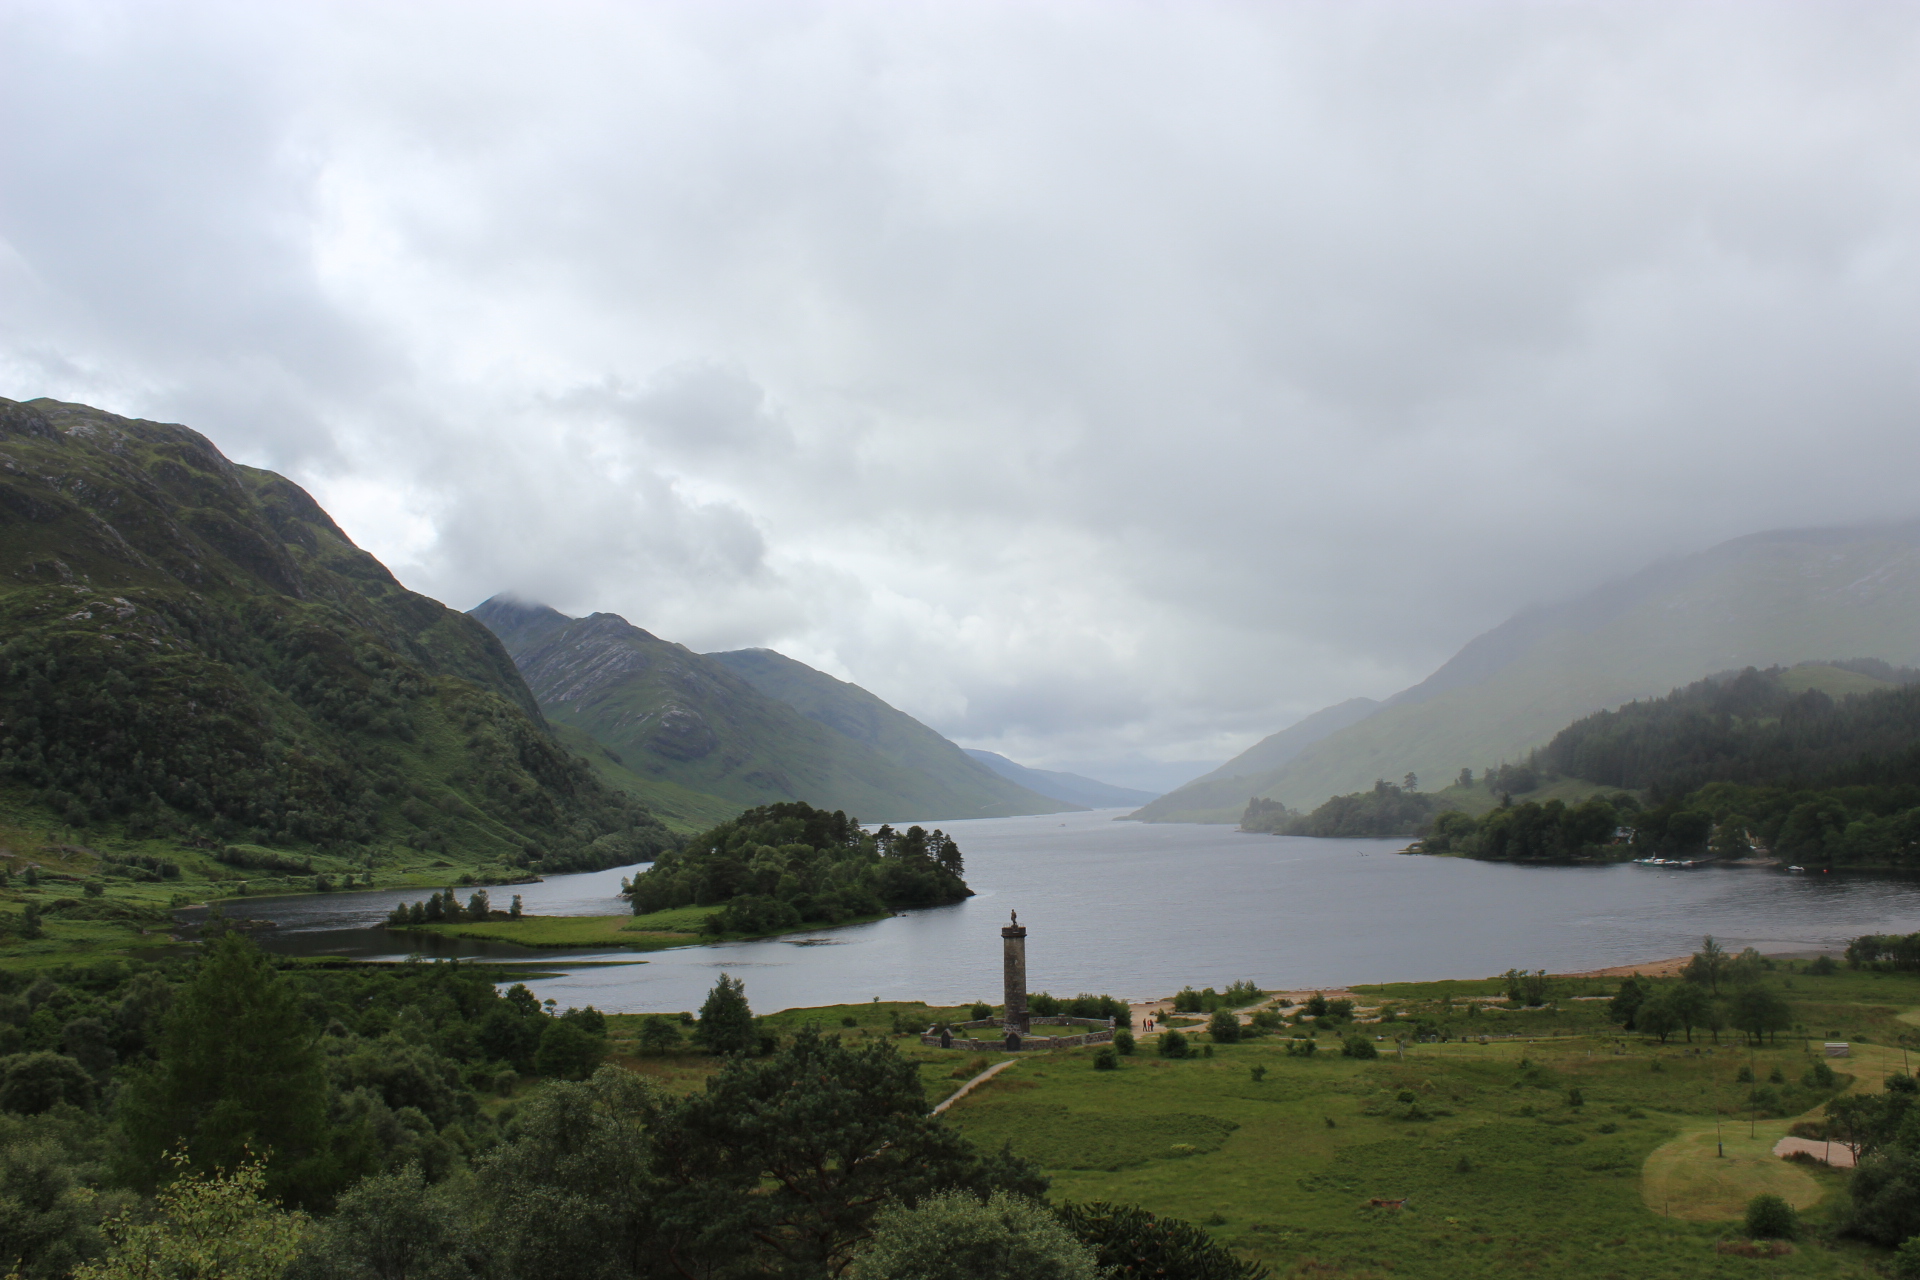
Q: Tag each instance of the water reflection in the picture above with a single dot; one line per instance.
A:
(1137, 910)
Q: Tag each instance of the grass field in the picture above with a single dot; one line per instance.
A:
(1502, 1173)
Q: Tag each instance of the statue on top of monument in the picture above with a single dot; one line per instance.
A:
(1015, 915)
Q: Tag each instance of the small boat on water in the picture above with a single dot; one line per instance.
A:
(1798, 870)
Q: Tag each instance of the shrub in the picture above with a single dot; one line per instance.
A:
(980, 1011)
(1224, 1027)
(1258, 1073)
(657, 1034)
(1771, 1218)
(1129, 1241)
(568, 1051)
(956, 1236)
(1358, 1047)
(1302, 1048)
(1173, 1045)
(1340, 1010)
(1822, 965)
(1106, 1060)
(31, 1083)
(1819, 1075)
(1123, 1042)
(1906, 1260)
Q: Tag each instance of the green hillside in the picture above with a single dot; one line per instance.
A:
(1770, 599)
(202, 669)
(679, 717)
(852, 711)
(683, 811)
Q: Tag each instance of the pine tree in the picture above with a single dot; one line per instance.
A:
(726, 1021)
(239, 1076)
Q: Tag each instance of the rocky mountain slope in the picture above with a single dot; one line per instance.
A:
(670, 715)
(1777, 598)
(197, 658)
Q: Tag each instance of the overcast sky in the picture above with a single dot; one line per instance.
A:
(1104, 383)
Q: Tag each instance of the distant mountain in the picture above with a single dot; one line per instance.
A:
(1777, 598)
(696, 722)
(852, 711)
(1221, 796)
(1070, 787)
(199, 661)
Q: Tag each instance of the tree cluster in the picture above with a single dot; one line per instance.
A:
(1387, 810)
(445, 908)
(783, 865)
(1748, 728)
(1714, 992)
(1883, 1130)
(1532, 832)
(116, 1077)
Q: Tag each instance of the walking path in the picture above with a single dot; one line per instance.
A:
(968, 1087)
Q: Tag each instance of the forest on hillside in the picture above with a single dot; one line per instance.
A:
(196, 656)
(1750, 728)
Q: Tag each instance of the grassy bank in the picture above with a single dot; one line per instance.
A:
(655, 931)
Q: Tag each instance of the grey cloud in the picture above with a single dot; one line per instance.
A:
(1096, 382)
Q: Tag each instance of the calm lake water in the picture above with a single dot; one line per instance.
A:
(1137, 911)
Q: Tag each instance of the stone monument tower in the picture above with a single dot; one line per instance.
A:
(1015, 946)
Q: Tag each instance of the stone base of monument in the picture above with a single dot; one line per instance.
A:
(990, 1034)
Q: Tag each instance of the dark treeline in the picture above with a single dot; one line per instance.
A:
(341, 1123)
(445, 907)
(1732, 766)
(1387, 810)
(1750, 729)
(1534, 832)
(783, 865)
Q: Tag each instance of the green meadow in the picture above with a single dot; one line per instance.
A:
(1559, 1145)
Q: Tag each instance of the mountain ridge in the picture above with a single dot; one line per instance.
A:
(672, 715)
(1073, 788)
(1771, 598)
(198, 655)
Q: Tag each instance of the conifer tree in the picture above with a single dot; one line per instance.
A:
(726, 1020)
(239, 1076)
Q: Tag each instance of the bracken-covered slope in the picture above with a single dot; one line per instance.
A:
(1776, 598)
(195, 654)
(671, 715)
